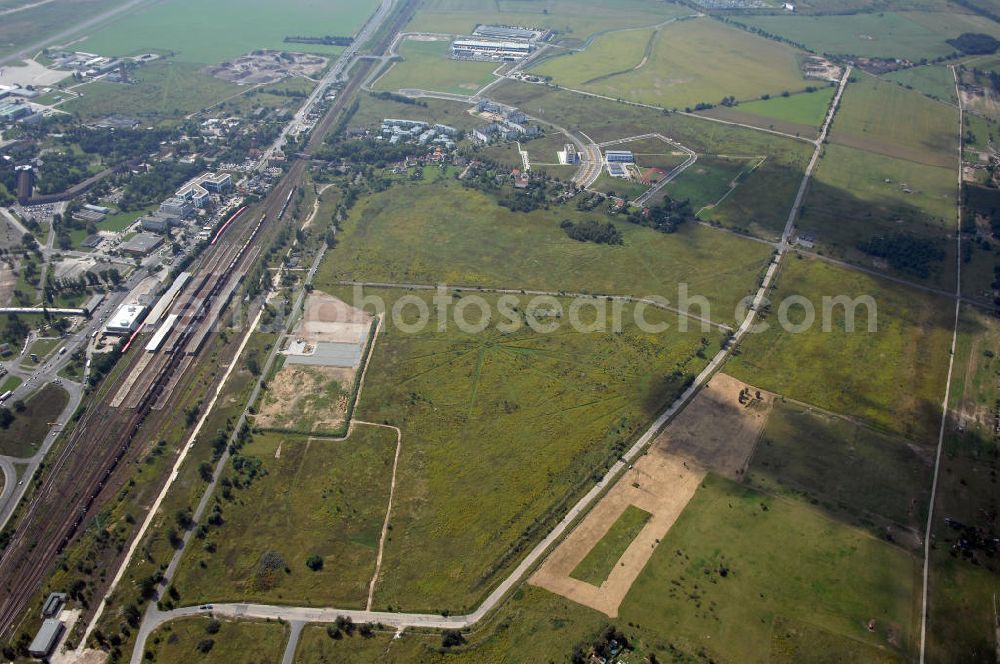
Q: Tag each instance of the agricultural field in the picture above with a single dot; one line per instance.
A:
(672, 74)
(759, 205)
(194, 640)
(425, 65)
(249, 24)
(741, 576)
(964, 581)
(855, 473)
(163, 91)
(709, 180)
(607, 120)
(857, 195)
(574, 20)
(884, 118)
(23, 436)
(800, 114)
(521, 419)
(935, 81)
(913, 35)
(325, 497)
(857, 373)
(406, 236)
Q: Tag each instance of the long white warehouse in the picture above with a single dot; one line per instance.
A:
(157, 340)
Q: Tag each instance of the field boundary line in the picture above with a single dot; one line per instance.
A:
(528, 291)
(947, 385)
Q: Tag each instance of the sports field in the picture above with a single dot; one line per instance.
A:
(859, 373)
(690, 61)
(406, 235)
(324, 498)
(210, 33)
(502, 430)
(882, 117)
(425, 65)
(889, 34)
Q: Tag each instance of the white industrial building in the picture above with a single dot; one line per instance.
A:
(481, 49)
(125, 320)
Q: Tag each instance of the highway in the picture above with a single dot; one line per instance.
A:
(154, 617)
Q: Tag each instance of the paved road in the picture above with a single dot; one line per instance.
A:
(293, 642)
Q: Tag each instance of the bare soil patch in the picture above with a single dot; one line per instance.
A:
(329, 319)
(306, 398)
(718, 432)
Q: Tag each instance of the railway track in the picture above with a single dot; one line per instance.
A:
(82, 477)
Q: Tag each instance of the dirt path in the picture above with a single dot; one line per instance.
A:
(388, 511)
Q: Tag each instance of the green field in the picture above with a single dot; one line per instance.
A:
(163, 90)
(185, 641)
(28, 430)
(964, 583)
(425, 65)
(372, 110)
(521, 420)
(761, 202)
(804, 108)
(249, 24)
(935, 81)
(9, 383)
(858, 373)
(890, 34)
(114, 223)
(882, 117)
(794, 580)
(597, 564)
(323, 497)
(708, 180)
(854, 472)
(857, 195)
(574, 20)
(406, 235)
(690, 61)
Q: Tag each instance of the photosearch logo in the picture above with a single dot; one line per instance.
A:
(475, 310)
